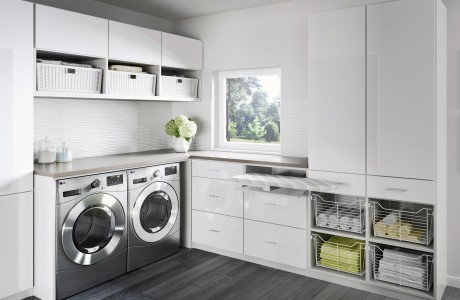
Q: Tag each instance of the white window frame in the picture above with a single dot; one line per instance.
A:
(222, 112)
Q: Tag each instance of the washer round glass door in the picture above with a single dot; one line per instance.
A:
(93, 229)
(155, 212)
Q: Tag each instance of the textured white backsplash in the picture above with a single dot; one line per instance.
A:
(98, 127)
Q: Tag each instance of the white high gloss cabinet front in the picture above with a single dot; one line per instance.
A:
(285, 245)
(16, 103)
(337, 91)
(16, 247)
(217, 231)
(401, 89)
(215, 169)
(217, 196)
(181, 52)
(69, 32)
(134, 44)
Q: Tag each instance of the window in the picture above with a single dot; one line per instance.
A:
(249, 110)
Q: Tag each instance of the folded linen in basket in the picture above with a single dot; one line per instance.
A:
(346, 222)
(334, 220)
(323, 218)
(122, 68)
(391, 218)
(403, 281)
(343, 248)
(49, 62)
(69, 64)
(404, 257)
(357, 224)
(411, 271)
(338, 265)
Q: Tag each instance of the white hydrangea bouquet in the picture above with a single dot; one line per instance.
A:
(183, 129)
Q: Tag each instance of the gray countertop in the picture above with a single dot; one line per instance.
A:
(108, 163)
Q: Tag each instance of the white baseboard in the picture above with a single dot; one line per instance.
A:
(453, 281)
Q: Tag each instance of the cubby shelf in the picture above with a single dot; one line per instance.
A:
(396, 243)
(98, 96)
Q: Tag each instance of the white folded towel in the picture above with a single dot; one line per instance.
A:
(122, 68)
(403, 281)
(49, 62)
(322, 220)
(392, 218)
(357, 224)
(403, 257)
(334, 220)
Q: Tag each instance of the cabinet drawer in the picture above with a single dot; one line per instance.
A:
(215, 169)
(411, 190)
(276, 243)
(66, 31)
(348, 184)
(218, 196)
(181, 52)
(217, 231)
(282, 206)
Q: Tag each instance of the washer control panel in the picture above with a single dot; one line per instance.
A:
(72, 188)
(142, 176)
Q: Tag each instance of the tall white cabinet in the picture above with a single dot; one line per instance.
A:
(16, 150)
(377, 109)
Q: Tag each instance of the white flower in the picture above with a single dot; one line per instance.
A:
(180, 119)
(187, 129)
(171, 128)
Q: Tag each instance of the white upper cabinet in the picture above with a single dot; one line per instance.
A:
(336, 91)
(16, 101)
(181, 52)
(64, 31)
(401, 89)
(134, 44)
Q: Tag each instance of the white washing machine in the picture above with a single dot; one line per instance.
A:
(154, 214)
(91, 233)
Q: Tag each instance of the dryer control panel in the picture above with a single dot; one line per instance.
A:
(142, 176)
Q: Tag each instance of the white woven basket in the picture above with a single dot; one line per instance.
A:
(131, 83)
(68, 79)
(179, 86)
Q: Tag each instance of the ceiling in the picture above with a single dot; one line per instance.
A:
(183, 9)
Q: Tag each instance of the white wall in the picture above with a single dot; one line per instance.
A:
(267, 36)
(102, 10)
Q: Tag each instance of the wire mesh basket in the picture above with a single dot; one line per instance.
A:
(339, 212)
(402, 267)
(400, 221)
(339, 253)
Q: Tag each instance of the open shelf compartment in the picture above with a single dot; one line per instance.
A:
(402, 221)
(402, 267)
(339, 253)
(338, 212)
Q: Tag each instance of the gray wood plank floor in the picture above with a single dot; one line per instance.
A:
(195, 274)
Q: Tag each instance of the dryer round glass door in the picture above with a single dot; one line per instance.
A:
(155, 212)
(93, 229)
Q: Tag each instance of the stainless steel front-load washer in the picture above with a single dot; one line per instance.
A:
(91, 235)
(154, 214)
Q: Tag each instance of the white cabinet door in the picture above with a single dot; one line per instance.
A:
(16, 246)
(134, 44)
(181, 52)
(65, 31)
(401, 89)
(337, 91)
(16, 100)
(216, 169)
(218, 196)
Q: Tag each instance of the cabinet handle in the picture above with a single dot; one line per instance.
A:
(213, 196)
(272, 243)
(214, 230)
(273, 205)
(396, 190)
(215, 170)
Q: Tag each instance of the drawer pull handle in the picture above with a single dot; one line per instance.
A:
(273, 205)
(214, 230)
(396, 190)
(215, 170)
(214, 196)
(272, 243)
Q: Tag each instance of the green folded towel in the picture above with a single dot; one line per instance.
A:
(343, 254)
(341, 267)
